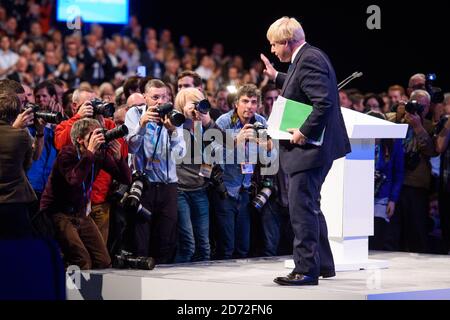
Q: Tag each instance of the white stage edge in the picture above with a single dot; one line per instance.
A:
(410, 276)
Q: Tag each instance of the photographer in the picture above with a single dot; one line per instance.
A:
(67, 195)
(156, 143)
(82, 101)
(193, 178)
(26, 116)
(232, 213)
(389, 175)
(408, 227)
(16, 192)
(442, 147)
(47, 101)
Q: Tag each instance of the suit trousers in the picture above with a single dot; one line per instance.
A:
(311, 249)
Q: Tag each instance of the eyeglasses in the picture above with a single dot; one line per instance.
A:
(158, 97)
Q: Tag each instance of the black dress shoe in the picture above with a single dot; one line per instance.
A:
(327, 274)
(296, 279)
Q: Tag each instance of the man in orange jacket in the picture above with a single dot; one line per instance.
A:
(100, 206)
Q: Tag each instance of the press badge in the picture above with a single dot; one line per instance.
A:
(205, 170)
(247, 168)
(155, 164)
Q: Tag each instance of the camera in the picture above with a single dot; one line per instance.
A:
(47, 116)
(115, 133)
(380, 178)
(414, 107)
(103, 108)
(258, 126)
(131, 200)
(176, 118)
(217, 181)
(267, 189)
(261, 130)
(203, 106)
(437, 96)
(125, 260)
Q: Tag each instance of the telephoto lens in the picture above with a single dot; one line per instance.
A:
(116, 133)
(264, 194)
(47, 116)
(176, 118)
(261, 198)
(132, 201)
(125, 260)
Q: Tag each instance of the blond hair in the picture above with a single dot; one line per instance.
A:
(187, 94)
(286, 29)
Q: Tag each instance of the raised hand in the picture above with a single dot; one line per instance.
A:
(269, 70)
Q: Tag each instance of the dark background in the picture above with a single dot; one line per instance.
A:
(412, 38)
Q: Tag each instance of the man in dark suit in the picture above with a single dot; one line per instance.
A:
(310, 80)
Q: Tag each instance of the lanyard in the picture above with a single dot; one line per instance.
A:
(87, 195)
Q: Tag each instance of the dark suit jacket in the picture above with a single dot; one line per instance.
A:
(311, 80)
(15, 160)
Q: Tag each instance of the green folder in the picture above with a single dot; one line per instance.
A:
(294, 115)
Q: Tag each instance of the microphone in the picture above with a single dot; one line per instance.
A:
(347, 80)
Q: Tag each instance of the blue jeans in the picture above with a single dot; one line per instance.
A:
(193, 226)
(277, 232)
(233, 226)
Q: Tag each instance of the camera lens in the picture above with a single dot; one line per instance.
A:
(203, 106)
(116, 133)
(176, 118)
(261, 198)
(49, 117)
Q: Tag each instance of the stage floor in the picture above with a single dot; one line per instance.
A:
(410, 276)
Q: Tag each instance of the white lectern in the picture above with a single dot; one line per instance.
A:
(348, 192)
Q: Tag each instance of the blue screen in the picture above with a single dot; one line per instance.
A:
(99, 11)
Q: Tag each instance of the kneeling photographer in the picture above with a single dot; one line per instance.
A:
(88, 106)
(408, 227)
(67, 195)
(156, 141)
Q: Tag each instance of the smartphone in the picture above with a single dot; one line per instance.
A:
(141, 71)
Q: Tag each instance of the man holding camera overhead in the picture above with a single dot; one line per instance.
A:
(156, 139)
(82, 101)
